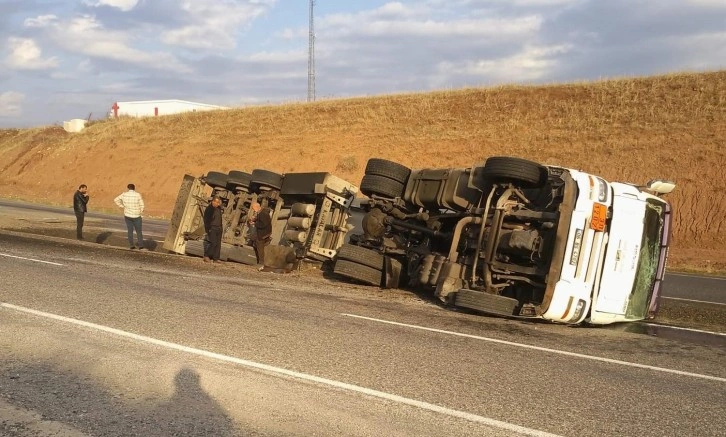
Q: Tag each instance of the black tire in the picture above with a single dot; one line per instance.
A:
(361, 255)
(359, 272)
(518, 171)
(216, 179)
(380, 185)
(266, 178)
(238, 179)
(389, 169)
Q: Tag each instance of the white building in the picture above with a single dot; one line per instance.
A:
(150, 108)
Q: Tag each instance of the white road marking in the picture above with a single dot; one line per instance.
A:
(685, 329)
(290, 373)
(30, 259)
(543, 349)
(693, 300)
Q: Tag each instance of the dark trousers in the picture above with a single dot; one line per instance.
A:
(80, 216)
(213, 248)
(260, 245)
(131, 224)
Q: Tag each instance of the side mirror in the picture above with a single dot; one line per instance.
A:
(660, 186)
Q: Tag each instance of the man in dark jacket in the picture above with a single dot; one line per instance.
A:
(263, 234)
(213, 227)
(80, 200)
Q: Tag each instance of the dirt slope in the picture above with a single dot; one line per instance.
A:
(629, 130)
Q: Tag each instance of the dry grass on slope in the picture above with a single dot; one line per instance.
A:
(631, 129)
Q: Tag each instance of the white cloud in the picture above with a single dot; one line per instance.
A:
(526, 3)
(124, 5)
(87, 36)
(26, 55)
(396, 19)
(706, 51)
(481, 4)
(465, 27)
(40, 21)
(11, 104)
(293, 34)
(278, 57)
(531, 64)
(391, 12)
(214, 24)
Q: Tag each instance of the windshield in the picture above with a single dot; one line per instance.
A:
(646, 272)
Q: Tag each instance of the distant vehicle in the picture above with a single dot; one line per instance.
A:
(515, 238)
(309, 215)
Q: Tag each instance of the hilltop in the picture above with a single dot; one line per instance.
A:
(630, 130)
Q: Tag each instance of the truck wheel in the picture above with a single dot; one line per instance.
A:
(361, 255)
(238, 179)
(380, 185)
(518, 171)
(389, 169)
(359, 272)
(266, 179)
(216, 179)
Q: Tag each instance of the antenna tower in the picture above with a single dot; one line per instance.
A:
(311, 56)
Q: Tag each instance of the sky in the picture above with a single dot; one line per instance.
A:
(64, 59)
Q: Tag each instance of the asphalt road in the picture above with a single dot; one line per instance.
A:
(152, 227)
(97, 340)
(710, 289)
(676, 286)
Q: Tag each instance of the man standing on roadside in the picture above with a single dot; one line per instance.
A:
(213, 228)
(80, 200)
(133, 206)
(263, 227)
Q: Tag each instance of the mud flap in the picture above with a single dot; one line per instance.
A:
(449, 281)
(391, 272)
(485, 302)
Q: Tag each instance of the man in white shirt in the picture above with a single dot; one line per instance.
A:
(133, 206)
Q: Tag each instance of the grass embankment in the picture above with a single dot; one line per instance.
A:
(631, 130)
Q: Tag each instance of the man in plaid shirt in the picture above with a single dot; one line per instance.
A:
(133, 206)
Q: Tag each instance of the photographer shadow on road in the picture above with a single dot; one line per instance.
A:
(191, 411)
(63, 399)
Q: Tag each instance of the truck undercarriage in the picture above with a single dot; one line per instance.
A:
(494, 238)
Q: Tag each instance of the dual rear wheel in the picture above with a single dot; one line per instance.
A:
(359, 263)
(384, 178)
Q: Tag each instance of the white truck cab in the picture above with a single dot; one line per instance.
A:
(615, 254)
(515, 238)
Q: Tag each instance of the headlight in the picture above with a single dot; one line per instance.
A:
(602, 186)
(578, 310)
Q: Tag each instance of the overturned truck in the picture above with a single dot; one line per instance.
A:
(516, 238)
(310, 214)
